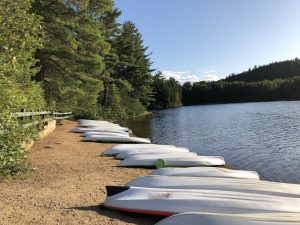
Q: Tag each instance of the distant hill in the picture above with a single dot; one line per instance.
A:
(273, 82)
(272, 71)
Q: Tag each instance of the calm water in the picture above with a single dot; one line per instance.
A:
(264, 137)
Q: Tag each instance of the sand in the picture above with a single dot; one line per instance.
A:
(67, 184)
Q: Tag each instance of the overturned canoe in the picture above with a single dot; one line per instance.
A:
(206, 172)
(115, 139)
(125, 134)
(198, 161)
(102, 124)
(228, 219)
(98, 125)
(172, 159)
(167, 202)
(126, 154)
(115, 150)
(212, 183)
(94, 122)
(99, 129)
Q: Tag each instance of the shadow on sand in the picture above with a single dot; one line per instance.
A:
(127, 217)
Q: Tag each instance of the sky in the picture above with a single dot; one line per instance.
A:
(193, 40)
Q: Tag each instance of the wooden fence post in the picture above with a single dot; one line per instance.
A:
(22, 118)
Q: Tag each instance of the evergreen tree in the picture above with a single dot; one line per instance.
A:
(134, 64)
(167, 92)
(72, 60)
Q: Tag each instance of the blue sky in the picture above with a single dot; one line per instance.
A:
(209, 39)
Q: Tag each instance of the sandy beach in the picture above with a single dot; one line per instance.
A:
(67, 184)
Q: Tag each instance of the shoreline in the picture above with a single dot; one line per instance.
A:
(146, 113)
(67, 184)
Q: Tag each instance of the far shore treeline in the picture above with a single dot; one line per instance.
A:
(272, 82)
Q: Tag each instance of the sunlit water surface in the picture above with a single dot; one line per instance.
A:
(264, 137)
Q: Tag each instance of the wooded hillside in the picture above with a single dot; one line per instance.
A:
(272, 71)
(273, 82)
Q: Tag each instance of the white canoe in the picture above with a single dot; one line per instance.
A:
(194, 218)
(99, 129)
(172, 160)
(126, 154)
(93, 123)
(212, 183)
(97, 122)
(115, 139)
(206, 172)
(110, 131)
(167, 202)
(105, 134)
(87, 120)
(115, 150)
(124, 134)
(103, 126)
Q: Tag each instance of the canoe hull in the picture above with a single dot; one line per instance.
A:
(211, 183)
(115, 139)
(206, 172)
(122, 148)
(172, 160)
(227, 219)
(158, 201)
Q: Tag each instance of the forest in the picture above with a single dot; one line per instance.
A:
(71, 55)
(272, 82)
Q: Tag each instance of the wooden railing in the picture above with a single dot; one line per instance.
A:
(61, 115)
(41, 117)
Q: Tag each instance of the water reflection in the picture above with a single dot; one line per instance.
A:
(258, 136)
(140, 126)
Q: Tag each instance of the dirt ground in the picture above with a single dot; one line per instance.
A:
(67, 185)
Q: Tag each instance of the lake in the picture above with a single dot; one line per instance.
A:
(264, 137)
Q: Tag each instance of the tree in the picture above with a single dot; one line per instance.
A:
(19, 39)
(72, 58)
(167, 92)
(134, 63)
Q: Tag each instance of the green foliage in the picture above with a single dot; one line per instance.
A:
(19, 39)
(272, 71)
(240, 91)
(12, 137)
(68, 55)
(72, 58)
(134, 64)
(89, 63)
(167, 92)
(276, 81)
(127, 79)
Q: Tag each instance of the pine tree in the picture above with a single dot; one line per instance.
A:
(135, 64)
(72, 60)
(167, 92)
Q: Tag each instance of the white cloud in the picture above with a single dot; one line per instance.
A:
(181, 76)
(210, 75)
(184, 76)
(209, 72)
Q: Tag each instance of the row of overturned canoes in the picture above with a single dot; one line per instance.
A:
(189, 188)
